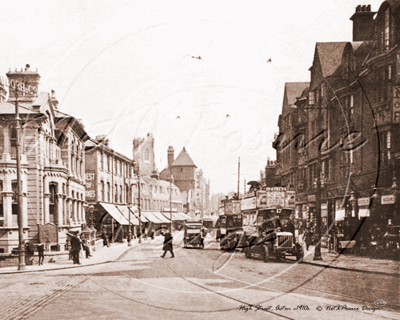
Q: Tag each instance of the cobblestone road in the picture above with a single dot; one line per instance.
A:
(23, 295)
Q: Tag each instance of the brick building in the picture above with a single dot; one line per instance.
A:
(350, 113)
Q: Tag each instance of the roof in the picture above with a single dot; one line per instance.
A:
(294, 90)
(9, 108)
(183, 160)
(330, 56)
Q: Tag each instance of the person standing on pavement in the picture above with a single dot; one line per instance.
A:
(40, 249)
(29, 252)
(76, 248)
(167, 243)
(307, 238)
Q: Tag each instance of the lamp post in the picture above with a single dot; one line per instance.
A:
(395, 189)
(129, 227)
(21, 251)
(91, 211)
(136, 170)
(170, 199)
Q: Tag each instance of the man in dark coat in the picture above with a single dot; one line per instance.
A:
(167, 244)
(76, 248)
(40, 249)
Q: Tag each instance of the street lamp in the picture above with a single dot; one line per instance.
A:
(129, 227)
(395, 189)
(21, 251)
(170, 199)
(136, 170)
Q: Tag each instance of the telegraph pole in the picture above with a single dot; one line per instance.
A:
(21, 251)
(238, 190)
(317, 250)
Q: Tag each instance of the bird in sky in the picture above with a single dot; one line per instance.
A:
(269, 60)
(178, 117)
(198, 58)
(228, 116)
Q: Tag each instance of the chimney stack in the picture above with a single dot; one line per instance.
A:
(363, 23)
(170, 156)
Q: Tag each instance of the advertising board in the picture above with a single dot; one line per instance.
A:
(276, 196)
(248, 204)
(90, 181)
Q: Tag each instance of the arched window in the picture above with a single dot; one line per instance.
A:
(102, 190)
(146, 155)
(108, 192)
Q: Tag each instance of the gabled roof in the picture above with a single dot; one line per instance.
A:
(183, 160)
(330, 56)
(293, 90)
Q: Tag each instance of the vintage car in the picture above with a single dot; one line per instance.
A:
(194, 234)
(270, 240)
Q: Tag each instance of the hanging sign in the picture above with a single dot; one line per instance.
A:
(389, 199)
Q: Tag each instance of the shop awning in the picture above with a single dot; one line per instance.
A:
(115, 213)
(151, 217)
(175, 216)
(160, 216)
(126, 213)
(184, 216)
(142, 217)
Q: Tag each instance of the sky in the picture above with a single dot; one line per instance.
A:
(196, 74)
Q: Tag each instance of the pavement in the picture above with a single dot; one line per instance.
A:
(112, 253)
(347, 261)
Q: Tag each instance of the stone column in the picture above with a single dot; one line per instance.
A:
(68, 210)
(7, 208)
(46, 197)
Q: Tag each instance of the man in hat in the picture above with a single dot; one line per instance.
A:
(167, 243)
(76, 248)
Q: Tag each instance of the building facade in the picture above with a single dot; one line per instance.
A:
(342, 150)
(52, 166)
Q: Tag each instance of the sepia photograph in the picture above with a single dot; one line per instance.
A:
(216, 159)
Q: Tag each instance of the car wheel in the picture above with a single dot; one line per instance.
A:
(265, 253)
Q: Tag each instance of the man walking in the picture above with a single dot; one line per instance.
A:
(76, 248)
(167, 243)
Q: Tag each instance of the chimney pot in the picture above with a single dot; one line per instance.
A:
(28, 66)
(369, 8)
(358, 8)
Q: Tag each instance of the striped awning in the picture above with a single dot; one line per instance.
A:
(160, 216)
(175, 216)
(126, 213)
(151, 217)
(114, 213)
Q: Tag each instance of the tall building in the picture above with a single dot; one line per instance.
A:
(341, 151)
(194, 187)
(52, 162)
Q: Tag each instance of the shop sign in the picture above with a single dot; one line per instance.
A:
(235, 206)
(389, 199)
(311, 198)
(276, 197)
(15, 84)
(363, 202)
(249, 203)
(90, 182)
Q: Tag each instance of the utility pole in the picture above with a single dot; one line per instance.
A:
(21, 251)
(140, 212)
(170, 200)
(238, 189)
(317, 250)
